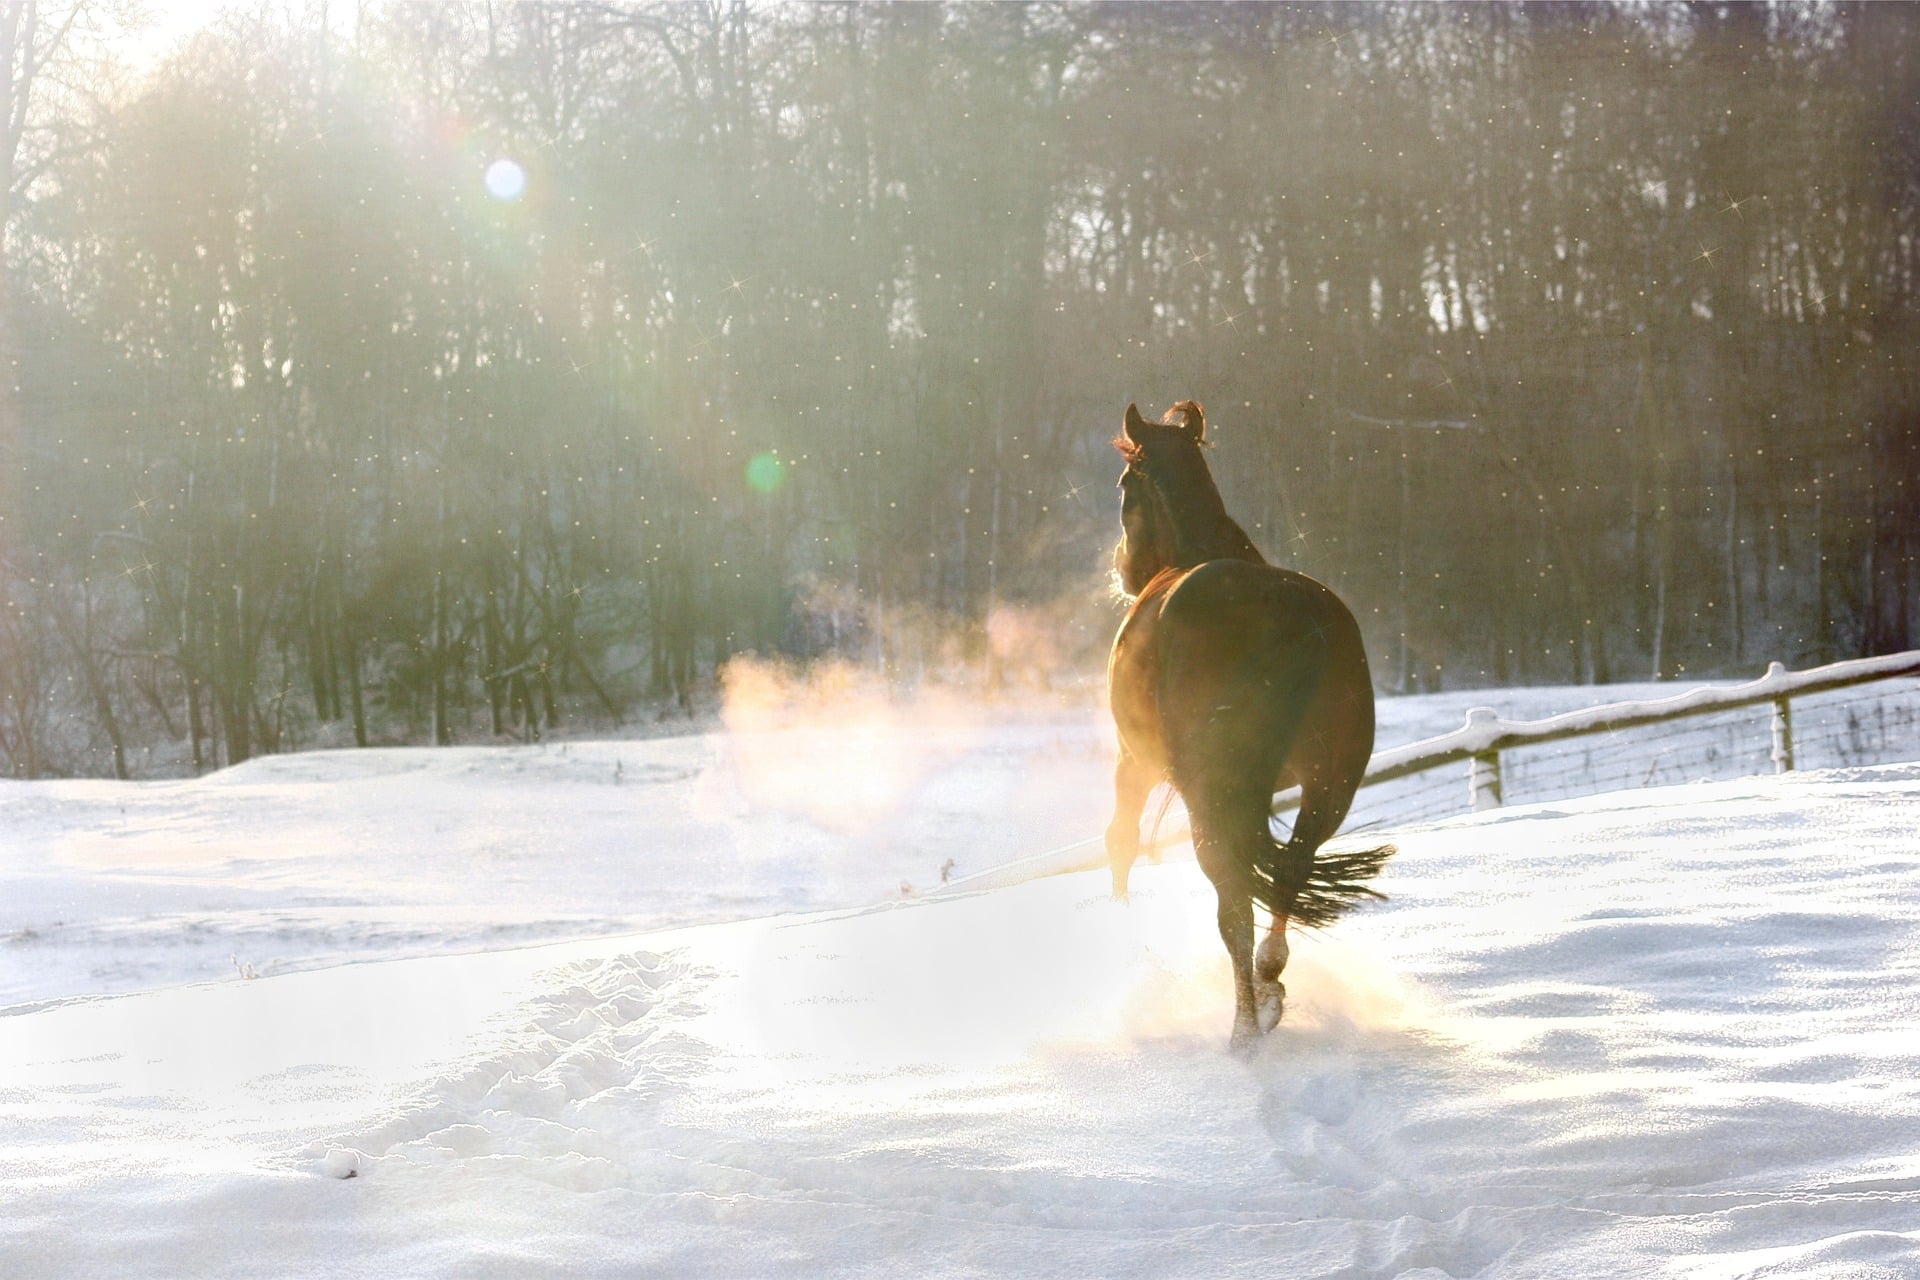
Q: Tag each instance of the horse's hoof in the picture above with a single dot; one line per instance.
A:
(1246, 1038)
(1270, 1000)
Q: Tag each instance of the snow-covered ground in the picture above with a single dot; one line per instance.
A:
(1668, 1030)
(295, 862)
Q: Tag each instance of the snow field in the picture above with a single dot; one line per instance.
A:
(295, 862)
(1659, 1032)
(292, 862)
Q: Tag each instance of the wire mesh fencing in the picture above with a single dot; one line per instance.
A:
(1863, 724)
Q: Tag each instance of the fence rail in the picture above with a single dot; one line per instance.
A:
(1480, 742)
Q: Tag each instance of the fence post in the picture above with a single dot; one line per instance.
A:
(1782, 726)
(1483, 770)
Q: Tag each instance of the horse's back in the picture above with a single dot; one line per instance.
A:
(1236, 594)
(1229, 612)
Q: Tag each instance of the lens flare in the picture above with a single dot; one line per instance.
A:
(765, 473)
(506, 180)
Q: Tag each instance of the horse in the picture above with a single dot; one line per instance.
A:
(1232, 679)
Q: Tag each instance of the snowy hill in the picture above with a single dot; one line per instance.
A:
(1660, 1031)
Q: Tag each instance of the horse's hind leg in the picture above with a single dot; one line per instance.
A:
(1271, 959)
(1321, 812)
(1131, 784)
(1214, 842)
(1269, 993)
(1236, 931)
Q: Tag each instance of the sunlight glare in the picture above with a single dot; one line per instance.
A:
(506, 181)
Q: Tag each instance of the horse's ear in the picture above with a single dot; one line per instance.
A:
(1190, 420)
(1133, 428)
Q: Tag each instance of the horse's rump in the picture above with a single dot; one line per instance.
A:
(1278, 648)
(1241, 654)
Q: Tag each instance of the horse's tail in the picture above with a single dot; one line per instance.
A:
(1298, 879)
(1336, 881)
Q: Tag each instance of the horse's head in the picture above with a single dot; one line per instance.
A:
(1163, 459)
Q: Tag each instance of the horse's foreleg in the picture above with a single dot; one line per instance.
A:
(1131, 785)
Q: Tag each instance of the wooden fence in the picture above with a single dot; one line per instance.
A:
(1485, 736)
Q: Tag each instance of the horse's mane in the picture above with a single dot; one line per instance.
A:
(1154, 584)
(1193, 495)
(1185, 478)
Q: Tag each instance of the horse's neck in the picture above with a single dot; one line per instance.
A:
(1206, 532)
(1234, 544)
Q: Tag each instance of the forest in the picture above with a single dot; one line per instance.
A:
(447, 372)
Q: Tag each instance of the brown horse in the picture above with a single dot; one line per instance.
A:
(1233, 679)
